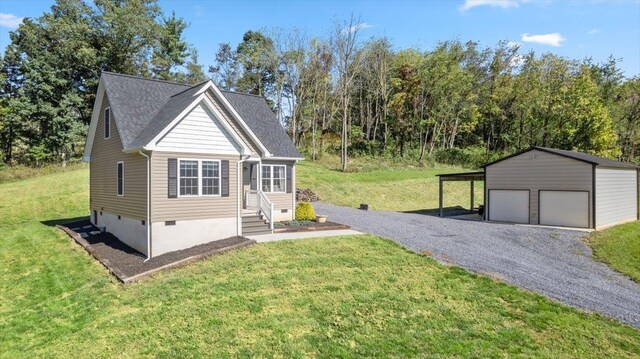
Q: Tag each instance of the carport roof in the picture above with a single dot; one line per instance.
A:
(465, 176)
(579, 156)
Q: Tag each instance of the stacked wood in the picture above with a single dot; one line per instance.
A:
(305, 194)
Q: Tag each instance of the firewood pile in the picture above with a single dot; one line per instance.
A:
(305, 194)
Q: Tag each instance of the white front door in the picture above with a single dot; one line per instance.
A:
(509, 205)
(564, 208)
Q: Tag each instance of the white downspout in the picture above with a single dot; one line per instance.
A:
(148, 205)
(240, 188)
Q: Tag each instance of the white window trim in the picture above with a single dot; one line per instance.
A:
(201, 177)
(200, 160)
(271, 178)
(105, 122)
(117, 184)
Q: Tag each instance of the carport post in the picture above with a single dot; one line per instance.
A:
(472, 195)
(440, 196)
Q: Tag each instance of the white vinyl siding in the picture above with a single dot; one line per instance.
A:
(509, 206)
(564, 208)
(200, 131)
(616, 196)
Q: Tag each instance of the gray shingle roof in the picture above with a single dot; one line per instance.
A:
(142, 108)
(580, 156)
(256, 113)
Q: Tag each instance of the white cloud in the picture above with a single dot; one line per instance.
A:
(517, 60)
(553, 39)
(505, 4)
(594, 31)
(356, 27)
(10, 20)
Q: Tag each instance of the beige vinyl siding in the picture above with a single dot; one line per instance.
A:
(199, 131)
(616, 196)
(282, 200)
(105, 154)
(164, 208)
(234, 124)
(544, 172)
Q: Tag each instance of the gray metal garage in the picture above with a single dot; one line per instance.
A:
(561, 188)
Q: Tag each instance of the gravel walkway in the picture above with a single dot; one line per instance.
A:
(553, 262)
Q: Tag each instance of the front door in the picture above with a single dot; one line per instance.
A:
(249, 184)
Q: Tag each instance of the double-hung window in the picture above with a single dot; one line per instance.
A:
(120, 178)
(107, 123)
(210, 178)
(266, 178)
(199, 177)
(188, 177)
(274, 178)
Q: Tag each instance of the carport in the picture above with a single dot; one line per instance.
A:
(470, 177)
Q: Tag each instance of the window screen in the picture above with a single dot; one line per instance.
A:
(120, 178)
(279, 178)
(188, 178)
(266, 178)
(210, 177)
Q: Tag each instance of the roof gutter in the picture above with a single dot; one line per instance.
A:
(148, 204)
(285, 158)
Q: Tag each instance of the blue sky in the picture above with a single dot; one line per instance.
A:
(576, 29)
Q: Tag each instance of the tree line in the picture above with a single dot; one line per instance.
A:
(340, 93)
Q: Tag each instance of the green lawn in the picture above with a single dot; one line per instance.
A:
(620, 248)
(385, 186)
(330, 297)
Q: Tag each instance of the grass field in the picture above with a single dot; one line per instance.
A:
(330, 297)
(619, 247)
(384, 185)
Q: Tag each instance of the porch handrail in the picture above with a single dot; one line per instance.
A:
(265, 207)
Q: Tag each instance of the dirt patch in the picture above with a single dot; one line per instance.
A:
(129, 265)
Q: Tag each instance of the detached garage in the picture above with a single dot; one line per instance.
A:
(560, 188)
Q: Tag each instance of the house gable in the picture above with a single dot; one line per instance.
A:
(200, 131)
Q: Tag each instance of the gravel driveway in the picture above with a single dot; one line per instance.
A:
(553, 262)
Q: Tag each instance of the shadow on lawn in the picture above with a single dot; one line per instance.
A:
(446, 211)
(63, 221)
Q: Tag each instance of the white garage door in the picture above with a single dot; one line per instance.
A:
(564, 208)
(509, 206)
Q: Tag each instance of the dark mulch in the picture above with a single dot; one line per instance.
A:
(313, 226)
(127, 264)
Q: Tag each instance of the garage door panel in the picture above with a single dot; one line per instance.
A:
(509, 206)
(564, 208)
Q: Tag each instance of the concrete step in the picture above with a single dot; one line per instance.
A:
(252, 219)
(254, 225)
(254, 232)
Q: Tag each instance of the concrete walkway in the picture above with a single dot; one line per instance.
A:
(302, 235)
(551, 261)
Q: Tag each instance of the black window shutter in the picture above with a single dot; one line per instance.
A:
(224, 171)
(172, 172)
(289, 181)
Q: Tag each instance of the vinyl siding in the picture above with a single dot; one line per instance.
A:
(616, 196)
(164, 208)
(234, 124)
(546, 172)
(105, 154)
(199, 131)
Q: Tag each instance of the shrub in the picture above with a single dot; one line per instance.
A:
(305, 212)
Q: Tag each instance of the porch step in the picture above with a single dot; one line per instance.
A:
(254, 224)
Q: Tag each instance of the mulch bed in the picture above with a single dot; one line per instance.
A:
(127, 264)
(315, 227)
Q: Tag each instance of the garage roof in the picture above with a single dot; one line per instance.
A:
(579, 156)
